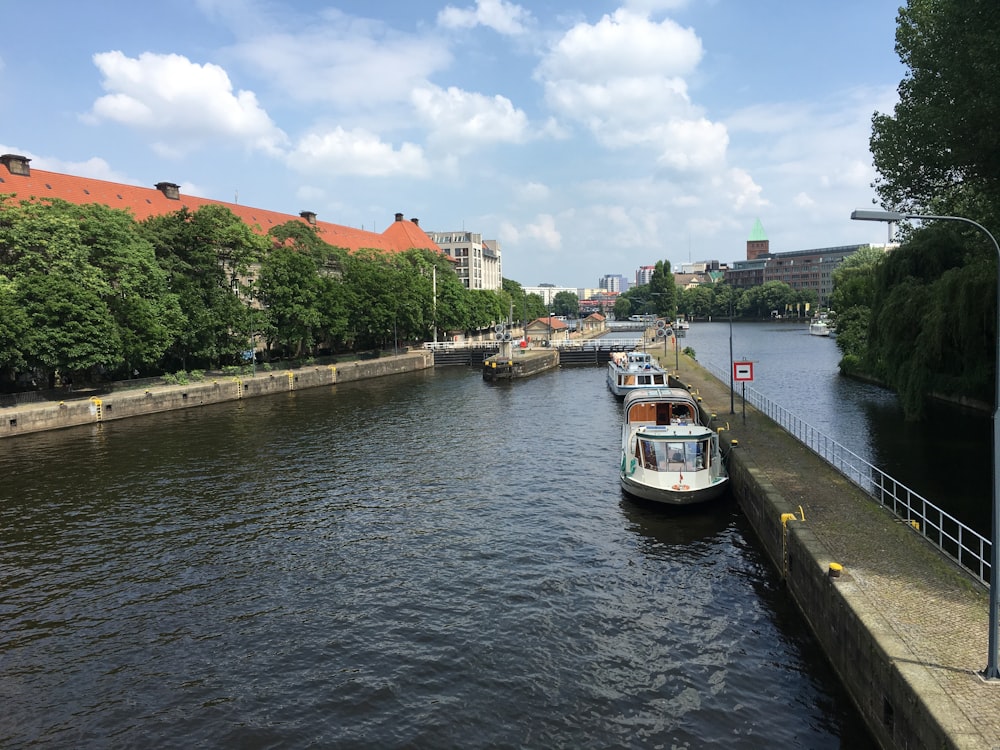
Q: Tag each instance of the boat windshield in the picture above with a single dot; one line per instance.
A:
(670, 455)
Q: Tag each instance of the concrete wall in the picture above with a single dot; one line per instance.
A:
(858, 643)
(21, 420)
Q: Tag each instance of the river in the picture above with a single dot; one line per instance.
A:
(419, 561)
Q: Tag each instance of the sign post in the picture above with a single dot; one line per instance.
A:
(743, 372)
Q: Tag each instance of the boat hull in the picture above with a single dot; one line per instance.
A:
(669, 490)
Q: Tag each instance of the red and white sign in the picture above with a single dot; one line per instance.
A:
(742, 371)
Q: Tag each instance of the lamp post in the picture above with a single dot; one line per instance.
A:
(732, 407)
(992, 671)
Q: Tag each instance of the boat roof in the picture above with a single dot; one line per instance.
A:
(655, 395)
(673, 431)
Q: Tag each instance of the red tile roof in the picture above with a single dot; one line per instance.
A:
(552, 323)
(145, 202)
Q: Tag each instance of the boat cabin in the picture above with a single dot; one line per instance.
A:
(672, 452)
(661, 406)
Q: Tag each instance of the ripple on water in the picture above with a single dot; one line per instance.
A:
(427, 561)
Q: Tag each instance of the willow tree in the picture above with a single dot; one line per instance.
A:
(939, 153)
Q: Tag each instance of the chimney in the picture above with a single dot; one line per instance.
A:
(309, 216)
(16, 164)
(399, 217)
(170, 190)
(416, 221)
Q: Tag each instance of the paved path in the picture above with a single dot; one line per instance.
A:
(933, 615)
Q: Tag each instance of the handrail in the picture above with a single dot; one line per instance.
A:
(967, 547)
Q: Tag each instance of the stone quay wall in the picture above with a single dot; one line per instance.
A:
(21, 420)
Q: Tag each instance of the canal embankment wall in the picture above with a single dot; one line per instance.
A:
(902, 625)
(38, 417)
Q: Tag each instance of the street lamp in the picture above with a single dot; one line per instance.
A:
(992, 671)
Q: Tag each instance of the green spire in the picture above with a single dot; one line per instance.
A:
(757, 233)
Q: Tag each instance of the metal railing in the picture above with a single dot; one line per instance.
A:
(964, 545)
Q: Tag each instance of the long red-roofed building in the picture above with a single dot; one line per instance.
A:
(16, 177)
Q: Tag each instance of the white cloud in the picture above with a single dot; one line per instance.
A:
(543, 229)
(357, 152)
(184, 103)
(499, 15)
(458, 117)
(533, 192)
(353, 63)
(623, 45)
(623, 78)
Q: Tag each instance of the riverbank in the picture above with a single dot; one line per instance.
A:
(38, 417)
(904, 628)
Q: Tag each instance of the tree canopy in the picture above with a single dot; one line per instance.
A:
(931, 326)
(88, 292)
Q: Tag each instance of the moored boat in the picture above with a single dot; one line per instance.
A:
(629, 371)
(668, 455)
(819, 327)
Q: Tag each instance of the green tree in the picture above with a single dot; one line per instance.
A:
(13, 326)
(851, 301)
(663, 290)
(932, 319)
(761, 302)
(697, 301)
(941, 144)
(209, 256)
(623, 307)
(70, 328)
(106, 256)
(289, 287)
(329, 299)
(725, 301)
(566, 304)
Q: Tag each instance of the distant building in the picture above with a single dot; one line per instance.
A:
(644, 275)
(546, 330)
(548, 292)
(478, 262)
(800, 269)
(613, 283)
(757, 242)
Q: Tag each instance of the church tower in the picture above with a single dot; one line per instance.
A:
(757, 242)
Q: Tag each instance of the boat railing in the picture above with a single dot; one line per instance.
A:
(961, 543)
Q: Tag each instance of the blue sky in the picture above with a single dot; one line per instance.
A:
(588, 137)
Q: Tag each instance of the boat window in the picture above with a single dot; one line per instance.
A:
(678, 456)
(652, 455)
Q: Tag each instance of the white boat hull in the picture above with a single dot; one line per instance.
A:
(671, 489)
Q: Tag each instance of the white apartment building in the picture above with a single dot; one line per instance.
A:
(478, 262)
(613, 283)
(644, 274)
(548, 292)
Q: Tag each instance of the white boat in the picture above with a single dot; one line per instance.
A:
(819, 327)
(668, 456)
(628, 371)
